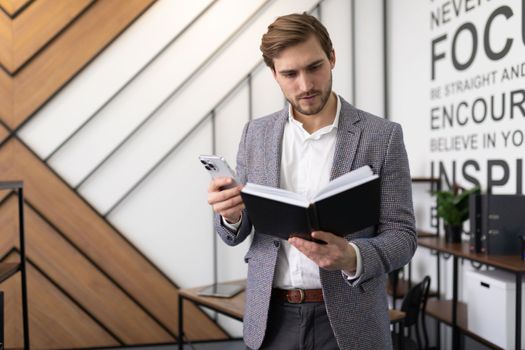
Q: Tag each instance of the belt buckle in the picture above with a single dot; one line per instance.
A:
(294, 300)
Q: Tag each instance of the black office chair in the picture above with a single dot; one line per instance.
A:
(413, 306)
(393, 282)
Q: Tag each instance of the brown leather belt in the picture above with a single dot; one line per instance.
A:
(298, 296)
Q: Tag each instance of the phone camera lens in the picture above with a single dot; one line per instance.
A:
(207, 167)
(203, 162)
(213, 167)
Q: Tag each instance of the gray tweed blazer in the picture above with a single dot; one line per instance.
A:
(358, 310)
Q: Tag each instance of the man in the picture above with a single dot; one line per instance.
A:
(301, 294)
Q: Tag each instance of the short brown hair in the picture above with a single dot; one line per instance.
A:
(291, 30)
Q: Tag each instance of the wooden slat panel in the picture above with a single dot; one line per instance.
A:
(4, 194)
(28, 90)
(6, 95)
(6, 83)
(12, 6)
(55, 322)
(87, 285)
(4, 133)
(6, 37)
(66, 55)
(33, 28)
(82, 225)
(7, 269)
(4, 177)
(13, 334)
(8, 225)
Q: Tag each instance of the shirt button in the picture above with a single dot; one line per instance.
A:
(276, 243)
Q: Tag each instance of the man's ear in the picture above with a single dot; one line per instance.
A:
(273, 72)
(332, 59)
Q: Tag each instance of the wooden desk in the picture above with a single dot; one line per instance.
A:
(453, 312)
(234, 307)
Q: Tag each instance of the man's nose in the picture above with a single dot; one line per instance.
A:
(305, 82)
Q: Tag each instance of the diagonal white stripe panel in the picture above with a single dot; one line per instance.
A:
(154, 85)
(268, 97)
(178, 117)
(169, 211)
(53, 123)
(169, 218)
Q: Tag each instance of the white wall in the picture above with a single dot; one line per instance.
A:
(369, 70)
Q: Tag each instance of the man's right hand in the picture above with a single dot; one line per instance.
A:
(228, 202)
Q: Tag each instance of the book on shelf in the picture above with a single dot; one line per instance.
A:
(475, 222)
(502, 223)
(345, 205)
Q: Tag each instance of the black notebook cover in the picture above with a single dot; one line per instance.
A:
(344, 213)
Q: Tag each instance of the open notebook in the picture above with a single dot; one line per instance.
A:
(345, 205)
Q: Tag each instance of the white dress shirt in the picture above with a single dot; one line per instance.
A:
(306, 164)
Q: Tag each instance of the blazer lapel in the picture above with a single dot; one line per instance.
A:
(273, 142)
(348, 135)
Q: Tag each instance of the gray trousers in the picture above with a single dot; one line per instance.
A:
(298, 327)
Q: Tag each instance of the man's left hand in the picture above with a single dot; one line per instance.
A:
(336, 254)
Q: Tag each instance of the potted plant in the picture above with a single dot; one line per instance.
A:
(452, 207)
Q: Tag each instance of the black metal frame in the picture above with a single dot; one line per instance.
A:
(407, 322)
(456, 331)
(1, 320)
(18, 186)
(435, 185)
(99, 269)
(181, 317)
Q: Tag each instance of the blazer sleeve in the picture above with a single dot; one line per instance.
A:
(395, 241)
(229, 236)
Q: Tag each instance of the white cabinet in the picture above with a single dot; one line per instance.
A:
(491, 304)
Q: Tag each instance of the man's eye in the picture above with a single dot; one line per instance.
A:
(289, 75)
(313, 68)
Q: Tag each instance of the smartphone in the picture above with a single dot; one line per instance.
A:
(221, 290)
(218, 167)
